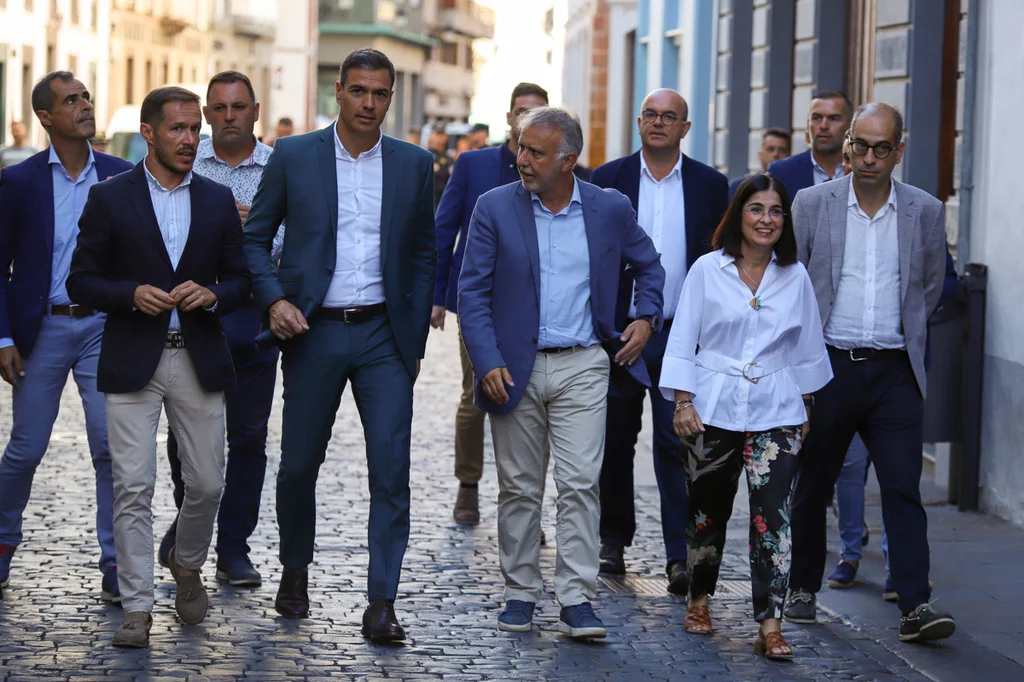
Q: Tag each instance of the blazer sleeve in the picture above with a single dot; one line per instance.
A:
(233, 280)
(424, 259)
(935, 253)
(9, 219)
(475, 292)
(644, 262)
(447, 222)
(89, 283)
(265, 216)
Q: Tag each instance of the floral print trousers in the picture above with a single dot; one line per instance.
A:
(714, 460)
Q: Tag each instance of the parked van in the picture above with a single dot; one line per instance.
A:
(123, 136)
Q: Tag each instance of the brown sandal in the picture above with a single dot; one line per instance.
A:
(698, 620)
(767, 645)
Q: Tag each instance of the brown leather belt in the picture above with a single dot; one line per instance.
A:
(71, 310)
(353, 315)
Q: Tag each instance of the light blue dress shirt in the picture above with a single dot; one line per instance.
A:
(565, 317)
(173, 209)
(69, 197)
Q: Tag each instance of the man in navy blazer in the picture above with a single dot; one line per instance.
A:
(42, 336)
(350, 303)
(679, 202)
(775, 145)
(475, 172)
(537, 302)
(828, 120)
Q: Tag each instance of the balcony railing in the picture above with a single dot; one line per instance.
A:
(466, 17)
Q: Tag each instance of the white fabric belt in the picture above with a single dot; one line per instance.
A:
(753, 371)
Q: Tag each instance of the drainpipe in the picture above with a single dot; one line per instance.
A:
(966, 191)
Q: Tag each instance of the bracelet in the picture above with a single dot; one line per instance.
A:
(682, 405)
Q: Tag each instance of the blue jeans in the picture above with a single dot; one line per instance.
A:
(64, 345)
(850, 502)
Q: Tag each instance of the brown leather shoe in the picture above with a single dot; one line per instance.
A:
(190, 599)
(380, 624)
(467, 506)
(292, 594)
(133, 633)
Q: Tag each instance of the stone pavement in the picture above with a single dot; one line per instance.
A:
(54, 627)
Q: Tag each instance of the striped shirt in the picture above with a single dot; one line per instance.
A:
(173, 209)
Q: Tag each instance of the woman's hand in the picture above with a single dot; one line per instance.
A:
(686, 422)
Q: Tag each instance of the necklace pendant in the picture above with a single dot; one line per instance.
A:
(755, 303)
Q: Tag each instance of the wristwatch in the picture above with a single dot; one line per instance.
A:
(653, 321)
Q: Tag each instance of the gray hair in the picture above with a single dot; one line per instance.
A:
(562, 119)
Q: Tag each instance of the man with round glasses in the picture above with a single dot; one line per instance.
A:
(678, 202)
(875, 250)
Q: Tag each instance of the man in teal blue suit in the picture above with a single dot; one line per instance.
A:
(350, 303)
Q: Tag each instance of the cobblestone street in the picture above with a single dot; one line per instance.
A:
(53, 625)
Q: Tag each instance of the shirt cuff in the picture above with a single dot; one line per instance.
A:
(677, 374)
(814, 375)
(6, 342)
(212, 308)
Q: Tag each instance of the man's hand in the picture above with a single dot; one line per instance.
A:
(189, 296)
(494, 382)
(636, 337)
(243, 211)
(437, 315)
(287, 321)
(10, 365)
(152, 300)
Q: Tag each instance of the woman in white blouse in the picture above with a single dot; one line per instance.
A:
(745, 353)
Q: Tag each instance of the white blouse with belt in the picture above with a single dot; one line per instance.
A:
(746, 359)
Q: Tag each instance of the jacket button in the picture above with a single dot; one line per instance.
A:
(534, 339)
(329, 272)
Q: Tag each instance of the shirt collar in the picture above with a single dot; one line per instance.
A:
(259, 157)
(725, 259)
(341, 153)
(676, 168)
(851, 200)
(154, 184)
(54, 159)
(817, 166)
(574, 200)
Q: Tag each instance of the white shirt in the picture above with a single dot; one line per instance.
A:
(820, 175)
(173, 209)
(661, 213)
(358, 279)
(783, 338)
(866, 313)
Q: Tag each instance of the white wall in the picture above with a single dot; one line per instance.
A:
(997, 240)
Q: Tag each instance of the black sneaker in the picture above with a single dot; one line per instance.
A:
(613, 561)
(801, 607)
(925, 624)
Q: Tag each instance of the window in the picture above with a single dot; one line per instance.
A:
(129, 81)
(166, 74)
(75, 19)
(148, 75)
(449, 53)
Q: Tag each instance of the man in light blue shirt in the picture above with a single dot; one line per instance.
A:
(43, 336)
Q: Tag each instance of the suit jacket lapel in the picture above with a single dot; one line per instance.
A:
(629, 180)
(905, 221)
(692, 199)
(195, 232)
(528, 226)
(143, 205)
(808, 179)
(837, 226)
(329, 176)
(595, 245)
(104, 167)
(44, 189)
(389, 173)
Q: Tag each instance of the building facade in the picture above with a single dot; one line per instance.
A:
(448, 78)
(294, 66)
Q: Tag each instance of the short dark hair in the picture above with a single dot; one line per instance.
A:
(524, 89)
(777, 132)
(729, 233)
(480, 128)
(369, 59)
(835, 94)
(228, 77)
(285, 121)
(153, 106)
(877, 108)
(43, 97)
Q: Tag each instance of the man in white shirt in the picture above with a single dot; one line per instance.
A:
(875, 251)
(678, 202)
(350, 304)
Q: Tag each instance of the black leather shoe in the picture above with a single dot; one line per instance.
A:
(380, 624)
(292, 596)
(678, 580)
(613, 561)
(167, 544)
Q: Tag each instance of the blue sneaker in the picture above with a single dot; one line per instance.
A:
(842, 576)
(6, 554)
(110, 591)
(517, 616)
(580, 622)
(163, 557)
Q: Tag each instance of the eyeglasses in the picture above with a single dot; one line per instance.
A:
(881, 150)
(668, 118)
(775, 213)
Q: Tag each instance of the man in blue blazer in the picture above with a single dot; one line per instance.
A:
(43, 336)
(349, 304)
(679, 202)
(475, 172)
(827, 122)
(537, 306)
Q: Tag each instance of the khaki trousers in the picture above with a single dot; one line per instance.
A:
(196, 419)
(564, 407)
(469, 426)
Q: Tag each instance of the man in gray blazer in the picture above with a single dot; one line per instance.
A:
(875, 250)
